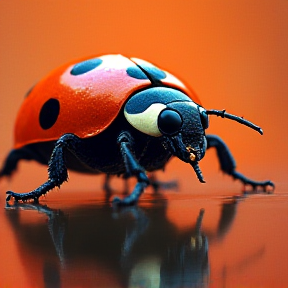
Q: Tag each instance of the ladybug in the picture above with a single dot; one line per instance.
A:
(114, 115)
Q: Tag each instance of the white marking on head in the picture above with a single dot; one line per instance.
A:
(147, 121)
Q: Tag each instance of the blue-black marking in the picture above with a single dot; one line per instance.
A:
(142, 100)
(85, 66)
(154, 72)
(143, 71)
(136, 72)
(49, 113)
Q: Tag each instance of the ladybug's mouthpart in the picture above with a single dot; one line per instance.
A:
(178, 149)
(191, 152)
(198, 171)
(240, 120)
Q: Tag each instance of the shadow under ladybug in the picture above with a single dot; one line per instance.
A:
(117, 116)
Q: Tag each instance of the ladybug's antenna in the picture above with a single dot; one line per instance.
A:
(240, 120)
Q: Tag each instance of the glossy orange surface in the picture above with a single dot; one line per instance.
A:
(68, 244)
(234, 55)
(88, 102)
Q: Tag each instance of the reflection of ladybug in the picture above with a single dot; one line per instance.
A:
(114, 115)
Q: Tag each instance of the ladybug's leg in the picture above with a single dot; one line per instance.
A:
(57, 170)
(106, 185)
(132, 169)
(228, 164)
(11, 162)
(157, 185)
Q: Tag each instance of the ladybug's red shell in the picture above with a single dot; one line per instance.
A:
(81, 103)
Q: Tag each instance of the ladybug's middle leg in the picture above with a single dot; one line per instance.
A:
(228, 164)
(157, 185)
(133, 168)
(57, 170)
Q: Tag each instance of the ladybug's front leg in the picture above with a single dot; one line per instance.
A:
(133, 168)
(57, 170)
(228, 165)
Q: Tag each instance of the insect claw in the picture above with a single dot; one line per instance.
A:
(8, 198)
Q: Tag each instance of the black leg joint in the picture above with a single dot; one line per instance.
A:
(133, 168)
(57, 170)
(228, 164)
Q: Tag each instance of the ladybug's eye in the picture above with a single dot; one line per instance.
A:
(204, 120)
(204, 117)
(169, 121)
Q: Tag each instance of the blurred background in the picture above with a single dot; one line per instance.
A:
(232, 53)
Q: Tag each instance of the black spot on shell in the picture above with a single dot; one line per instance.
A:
(136, 72)
(49, 113)
(85, 66)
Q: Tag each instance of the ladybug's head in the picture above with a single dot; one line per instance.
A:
(180, 123)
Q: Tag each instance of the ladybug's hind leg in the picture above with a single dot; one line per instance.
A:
(133, 168)
(228, 164)
(11, 162)
(57, 170)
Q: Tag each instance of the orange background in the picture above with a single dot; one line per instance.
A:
(232, 53)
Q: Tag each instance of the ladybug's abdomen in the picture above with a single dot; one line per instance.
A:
(72, 101)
